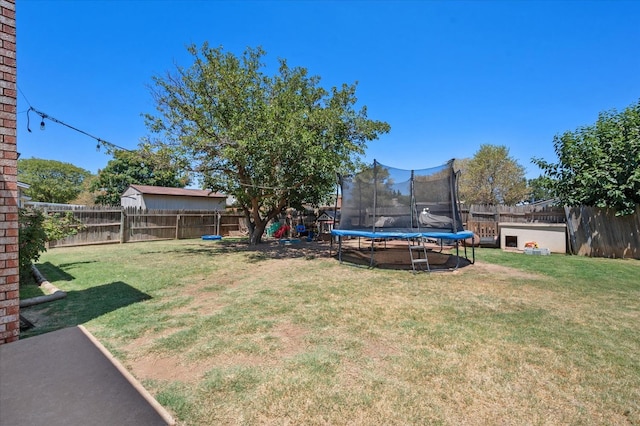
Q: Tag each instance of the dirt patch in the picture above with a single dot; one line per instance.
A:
(282, 249)
(166, 368)
(290, 342)
(489, 268)
(291, 339)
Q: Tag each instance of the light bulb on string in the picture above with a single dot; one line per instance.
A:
(42, 124)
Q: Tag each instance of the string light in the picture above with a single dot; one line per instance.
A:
(101, 142)
(112, 146)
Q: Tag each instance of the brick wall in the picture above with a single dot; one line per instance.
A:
(9, 291)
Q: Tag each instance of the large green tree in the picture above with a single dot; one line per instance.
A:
(271, 140)
(141, 167)
(51, 181)
(599, 165)
(492, 176)
(540, 189)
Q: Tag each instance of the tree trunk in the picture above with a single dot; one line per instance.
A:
(249, 222)
(256, 234)
(259, 224)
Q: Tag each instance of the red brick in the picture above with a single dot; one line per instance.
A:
(9, 272)
(6, 319)
(4, 303)
(8, 29)
(11, 14)
(6, 288)
(8, 44)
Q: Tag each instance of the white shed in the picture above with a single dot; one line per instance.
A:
(22, 197)
(161, 198)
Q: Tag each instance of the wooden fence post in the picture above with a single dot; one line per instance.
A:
(122, 226)
(177, 226)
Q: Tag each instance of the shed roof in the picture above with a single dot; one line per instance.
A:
(179, 192)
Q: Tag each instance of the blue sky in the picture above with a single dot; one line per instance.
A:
(448, 76)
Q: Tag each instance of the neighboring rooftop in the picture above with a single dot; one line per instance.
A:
(160, 190)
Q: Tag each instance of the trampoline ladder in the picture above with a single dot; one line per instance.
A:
(418, 253)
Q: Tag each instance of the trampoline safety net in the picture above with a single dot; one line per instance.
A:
(385, 199)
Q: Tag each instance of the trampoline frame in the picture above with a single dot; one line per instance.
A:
(440, 231)
(406, 236)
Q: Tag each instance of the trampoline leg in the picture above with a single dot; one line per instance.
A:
(473, 250)
(371, 260)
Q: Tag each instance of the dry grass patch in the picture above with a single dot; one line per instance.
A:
(287, 335)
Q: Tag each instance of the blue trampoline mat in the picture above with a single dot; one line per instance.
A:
(462, 235)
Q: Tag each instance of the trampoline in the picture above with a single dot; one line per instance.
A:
(418, 207)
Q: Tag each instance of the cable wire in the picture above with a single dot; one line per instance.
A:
(23, 95)
(101, 141)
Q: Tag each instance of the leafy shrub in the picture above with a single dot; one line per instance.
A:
(37, 228)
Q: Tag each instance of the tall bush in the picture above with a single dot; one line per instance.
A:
(599, 165)
(37, 228)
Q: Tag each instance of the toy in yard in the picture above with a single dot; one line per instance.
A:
(273, 228)
(281, 232)
(302, 231)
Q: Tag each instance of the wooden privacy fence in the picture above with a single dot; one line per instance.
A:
(591, 231)
(598, 232)
(105, 225)
(483, 219)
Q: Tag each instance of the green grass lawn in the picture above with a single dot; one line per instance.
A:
(225, 335)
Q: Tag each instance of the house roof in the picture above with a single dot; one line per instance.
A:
(178, 192)
(328, 215)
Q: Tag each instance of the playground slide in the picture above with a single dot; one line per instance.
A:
(281, 232)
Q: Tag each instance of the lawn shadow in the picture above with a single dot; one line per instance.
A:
(55, 272)
(287, 250)
(400, 259)
(216, 247)
(266, 250)
(81, 306)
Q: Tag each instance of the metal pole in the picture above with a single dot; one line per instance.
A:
(412, 203)
(375, 193)
(452, 190)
